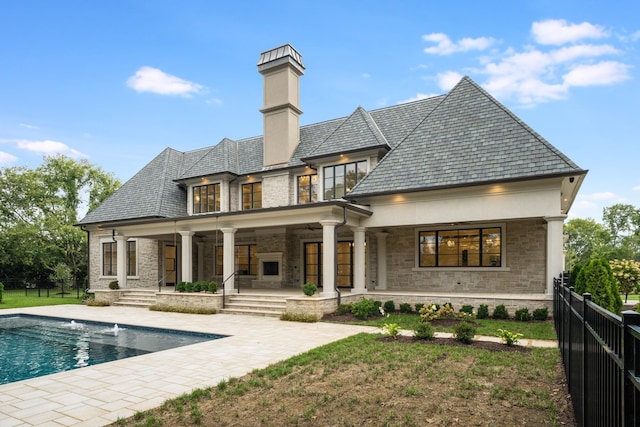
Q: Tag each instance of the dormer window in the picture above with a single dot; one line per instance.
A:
(206, 198)
(340, 179)
(252, 196)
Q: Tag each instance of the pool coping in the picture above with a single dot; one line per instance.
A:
(101, 394)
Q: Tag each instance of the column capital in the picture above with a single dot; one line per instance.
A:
(228, 230)
(186, 233)
(329, 222)
(358, 228)
(120, 238)
(555, 218)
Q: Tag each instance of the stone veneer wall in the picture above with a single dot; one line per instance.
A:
(525, 258)
(147, 254)
(276, 190)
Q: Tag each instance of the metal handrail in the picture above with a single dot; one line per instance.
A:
(160, 282)
(235, 273)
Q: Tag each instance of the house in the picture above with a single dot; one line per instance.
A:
(450, 197)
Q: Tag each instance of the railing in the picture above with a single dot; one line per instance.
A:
(224, 297)
(601, 356)
(35, 288)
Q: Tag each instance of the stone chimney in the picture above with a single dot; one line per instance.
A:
(281, 68)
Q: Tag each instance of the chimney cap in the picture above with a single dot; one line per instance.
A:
(285, 54)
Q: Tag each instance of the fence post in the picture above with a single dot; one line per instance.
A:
(631, 363)
(585, 350)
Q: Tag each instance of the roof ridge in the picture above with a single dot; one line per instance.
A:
(163, 182)
(373, 126)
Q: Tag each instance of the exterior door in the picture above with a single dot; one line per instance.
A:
(170, 264)
(313, 263)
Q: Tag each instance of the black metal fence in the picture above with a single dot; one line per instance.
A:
(601, 356)
(36, 288)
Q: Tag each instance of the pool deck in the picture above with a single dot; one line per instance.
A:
(99, 395)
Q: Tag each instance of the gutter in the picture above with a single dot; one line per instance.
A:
(83, 228)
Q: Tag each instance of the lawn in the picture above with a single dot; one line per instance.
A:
(22, 301)
(369, 379)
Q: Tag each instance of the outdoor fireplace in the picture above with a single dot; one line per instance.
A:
(270, 266)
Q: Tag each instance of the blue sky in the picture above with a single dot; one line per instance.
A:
(116, 82)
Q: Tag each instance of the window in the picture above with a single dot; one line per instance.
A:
(252, 196)
(307, 189)
(340, 179)
(132, 263)
(313, 263)
(476, 247)
(246, 261)
(206, 198)
(109, 259)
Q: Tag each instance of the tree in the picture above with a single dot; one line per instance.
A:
(587, 239)
(627, 273)
(623, 224)
(601, 284)
(38, 210)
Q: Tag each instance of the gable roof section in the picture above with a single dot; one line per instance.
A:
(468, 138)
(358, 132)
(151, 193)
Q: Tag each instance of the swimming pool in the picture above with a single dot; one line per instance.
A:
(33, 346)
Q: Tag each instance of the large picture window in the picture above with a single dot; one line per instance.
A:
(340, 179)
(252, 196)
(246, 261)
(206, 198)
(307, 189)
(473, 247)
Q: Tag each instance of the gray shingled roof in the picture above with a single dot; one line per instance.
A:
(150, 193)
(463, 138)
(468, 138)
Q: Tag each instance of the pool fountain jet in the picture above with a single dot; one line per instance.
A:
(115, 330)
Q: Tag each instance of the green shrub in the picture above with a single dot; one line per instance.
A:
(418, 307)
(540, 313)
(602, 285)
(309, 289)
(424, 331)
(389, 306)
(523, 315)
(212, 287)
(500, 312)
(196, 287)
(464, 332)
(466, 309)
(181, 287)
(343, 309)
(435, 312)
(391, 329)
(405, 307)
(509, 338)
(364, 308)
(114, 285)
(483, 312)
(1, 291)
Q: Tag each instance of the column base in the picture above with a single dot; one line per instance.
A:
(329, 294)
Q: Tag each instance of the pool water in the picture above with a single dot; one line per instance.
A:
(33, 346)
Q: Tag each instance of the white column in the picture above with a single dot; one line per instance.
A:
(555, 239)
(358, 260)
(228, 262)
(381, 283)
(187, 255)
(200, 246)
(329, 258)
(121, 261)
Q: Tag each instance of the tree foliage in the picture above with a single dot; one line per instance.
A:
(38, 210)
(627, 273)
(599, 281)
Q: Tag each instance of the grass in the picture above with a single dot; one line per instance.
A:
(488, 327)
(22, 301)
(362, 380)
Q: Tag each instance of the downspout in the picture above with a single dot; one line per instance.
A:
(335, 251)
(83, 228)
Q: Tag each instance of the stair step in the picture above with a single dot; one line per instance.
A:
(255, 305)
(137, 298)
(250, 312)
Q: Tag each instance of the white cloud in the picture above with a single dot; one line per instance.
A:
(365, 75)
(418, 97)
(636, 188)
(214, 101)
(28, 126)
(444, 45)
(558, 31)
(49, 148)
(448, 79)
(149, 79)
(602, 73)
(6, 158)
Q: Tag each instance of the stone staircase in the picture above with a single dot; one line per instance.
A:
(137, 298)
(255, 305)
